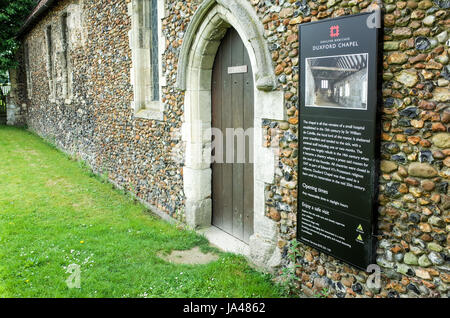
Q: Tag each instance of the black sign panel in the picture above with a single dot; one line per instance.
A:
(338, 127)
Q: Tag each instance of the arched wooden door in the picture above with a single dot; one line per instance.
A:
(232, 107)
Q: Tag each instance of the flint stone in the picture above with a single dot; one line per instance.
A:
(388, 166)
(408, 78)
(411, 259)
(441, 94)
(441, 140)
(423, 170)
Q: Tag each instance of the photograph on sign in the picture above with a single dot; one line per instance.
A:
(337, 81)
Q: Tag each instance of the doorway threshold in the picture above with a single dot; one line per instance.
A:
(224, 241)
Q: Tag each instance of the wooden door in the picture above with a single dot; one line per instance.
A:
(232, 107)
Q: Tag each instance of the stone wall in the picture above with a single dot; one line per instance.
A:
(99, 126)
(97, 123)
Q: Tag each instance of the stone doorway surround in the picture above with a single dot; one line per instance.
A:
(200, 44)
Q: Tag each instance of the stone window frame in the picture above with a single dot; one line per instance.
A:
(58, 55)
(28, 72)
(142, 105)
(50, 61)
(64, 53)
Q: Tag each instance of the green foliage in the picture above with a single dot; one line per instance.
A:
(53, 214)
(12, 16)
(324, 293)
(288, 280)
(4, 78)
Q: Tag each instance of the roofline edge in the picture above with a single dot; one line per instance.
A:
(35, 15)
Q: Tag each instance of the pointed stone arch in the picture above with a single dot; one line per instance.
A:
(248, 26)
(200, 44)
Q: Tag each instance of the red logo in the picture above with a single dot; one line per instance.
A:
(334, 31)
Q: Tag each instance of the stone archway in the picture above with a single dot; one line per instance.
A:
(202, 39)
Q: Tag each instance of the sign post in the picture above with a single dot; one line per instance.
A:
(338, 157)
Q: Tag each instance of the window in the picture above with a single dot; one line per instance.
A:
(324, 84)
(340, 91)
(347, 89)
(364, 91)
(66, 87)
(146, 44)
(154, 55)
(28, 70)
(50, 66)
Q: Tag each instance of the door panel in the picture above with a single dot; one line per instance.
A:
(232, 107)
(248, 166)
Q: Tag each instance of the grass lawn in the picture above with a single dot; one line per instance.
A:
(54, 213)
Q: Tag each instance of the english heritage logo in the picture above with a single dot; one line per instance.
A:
(334, 31)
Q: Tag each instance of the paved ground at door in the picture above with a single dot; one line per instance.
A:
(54, 213)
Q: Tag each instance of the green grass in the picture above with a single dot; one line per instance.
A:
(54, 212)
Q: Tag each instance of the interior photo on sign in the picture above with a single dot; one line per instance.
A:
(337, 81)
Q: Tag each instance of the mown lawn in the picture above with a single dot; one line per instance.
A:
(54, 213)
